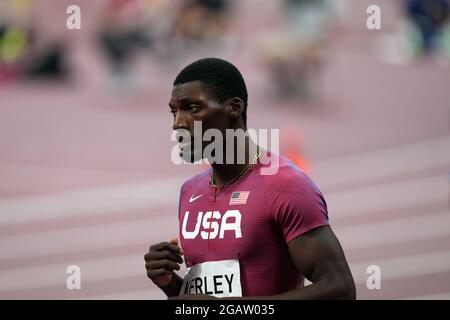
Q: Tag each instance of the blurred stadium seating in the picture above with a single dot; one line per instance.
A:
(86, 176)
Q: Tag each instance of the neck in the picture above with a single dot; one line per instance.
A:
(225, 173)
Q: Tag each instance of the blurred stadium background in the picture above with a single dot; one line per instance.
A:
(85, 171)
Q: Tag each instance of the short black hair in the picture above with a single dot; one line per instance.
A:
(222, 77)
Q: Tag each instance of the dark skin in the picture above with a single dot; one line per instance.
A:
(317, 254)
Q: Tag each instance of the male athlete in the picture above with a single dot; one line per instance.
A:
(243, 234)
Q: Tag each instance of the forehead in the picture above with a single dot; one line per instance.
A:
(189, 90)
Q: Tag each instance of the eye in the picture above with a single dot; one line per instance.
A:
(173, 111)
(193, 108)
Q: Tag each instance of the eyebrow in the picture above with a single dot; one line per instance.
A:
(184, 101)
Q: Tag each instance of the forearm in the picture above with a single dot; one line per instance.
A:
(320, 290)
(174, 287)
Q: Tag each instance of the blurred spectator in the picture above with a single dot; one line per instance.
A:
(162, 28)
(24, 51)
(14, 37)
(200, 20)
(429, 27)
(49, 62)
(430, 17)
(423, 31)
(295, 55)
(122, 33)
(129, 28)
(13, 42)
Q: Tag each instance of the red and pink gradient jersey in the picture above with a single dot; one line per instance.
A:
(251, 220)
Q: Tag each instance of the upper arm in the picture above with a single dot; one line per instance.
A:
(318, 255)
(300, 211)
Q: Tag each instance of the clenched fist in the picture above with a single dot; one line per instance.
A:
(161, 261)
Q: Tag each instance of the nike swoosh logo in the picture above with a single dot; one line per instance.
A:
(194, 198)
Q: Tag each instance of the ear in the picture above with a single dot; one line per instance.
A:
(235, 107)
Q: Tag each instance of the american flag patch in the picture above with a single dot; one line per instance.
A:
(239, 197)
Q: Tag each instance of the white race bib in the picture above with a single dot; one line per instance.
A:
(217, 278)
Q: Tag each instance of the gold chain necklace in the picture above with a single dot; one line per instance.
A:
(243, 172)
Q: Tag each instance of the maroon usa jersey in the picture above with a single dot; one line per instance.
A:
(251, 220)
